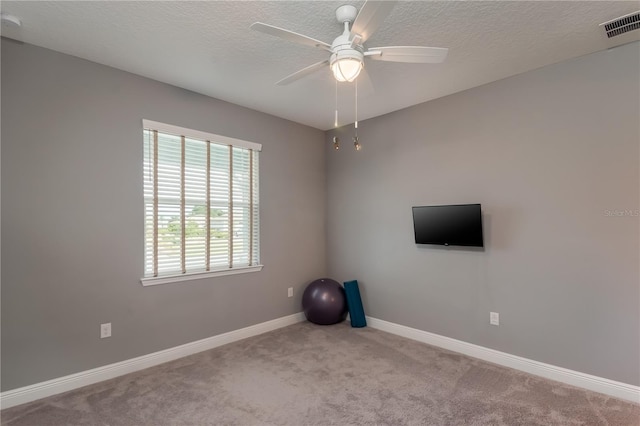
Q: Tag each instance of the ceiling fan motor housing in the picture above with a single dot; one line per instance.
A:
(342, 48)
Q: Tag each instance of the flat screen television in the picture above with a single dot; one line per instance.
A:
(454, 225)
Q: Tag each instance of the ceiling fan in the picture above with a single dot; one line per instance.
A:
(347, 50)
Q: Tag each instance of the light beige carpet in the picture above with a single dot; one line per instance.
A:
(326, 375)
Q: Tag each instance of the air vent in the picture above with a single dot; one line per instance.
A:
(622, 25)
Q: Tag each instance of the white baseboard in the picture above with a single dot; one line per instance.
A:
(564, 375)
(84, 378)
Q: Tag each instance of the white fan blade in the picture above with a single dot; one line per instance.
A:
(289, 35)
(413, 54)
(302, 73)
(371, 15)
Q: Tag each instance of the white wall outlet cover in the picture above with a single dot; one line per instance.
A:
(494, 318)
(290, 292)
(105, 330)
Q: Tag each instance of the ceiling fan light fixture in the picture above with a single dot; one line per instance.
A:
(346, 69)
(346, 64)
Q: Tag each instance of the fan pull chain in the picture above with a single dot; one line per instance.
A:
(356, 143)
(356, 123)
(335, 123)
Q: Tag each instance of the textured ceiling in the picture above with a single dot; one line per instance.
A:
(207, 47)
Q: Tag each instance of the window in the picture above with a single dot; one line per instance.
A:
(201, 204)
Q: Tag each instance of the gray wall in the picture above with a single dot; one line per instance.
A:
(546, 153)
(72, 226)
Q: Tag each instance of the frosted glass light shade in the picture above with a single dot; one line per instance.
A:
(346, 69)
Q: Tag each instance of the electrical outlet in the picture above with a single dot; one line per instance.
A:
(105, 330)
(494, 318)
(290, 292)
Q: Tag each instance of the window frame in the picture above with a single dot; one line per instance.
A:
(220, 140)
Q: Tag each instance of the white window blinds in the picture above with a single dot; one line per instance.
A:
(201, 202)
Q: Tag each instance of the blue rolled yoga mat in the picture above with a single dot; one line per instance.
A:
(356, 311)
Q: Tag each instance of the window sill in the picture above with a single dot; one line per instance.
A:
(168, 279)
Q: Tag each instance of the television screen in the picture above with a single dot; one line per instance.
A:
(456, 225)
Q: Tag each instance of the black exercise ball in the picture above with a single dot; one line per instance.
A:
(324, 302)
